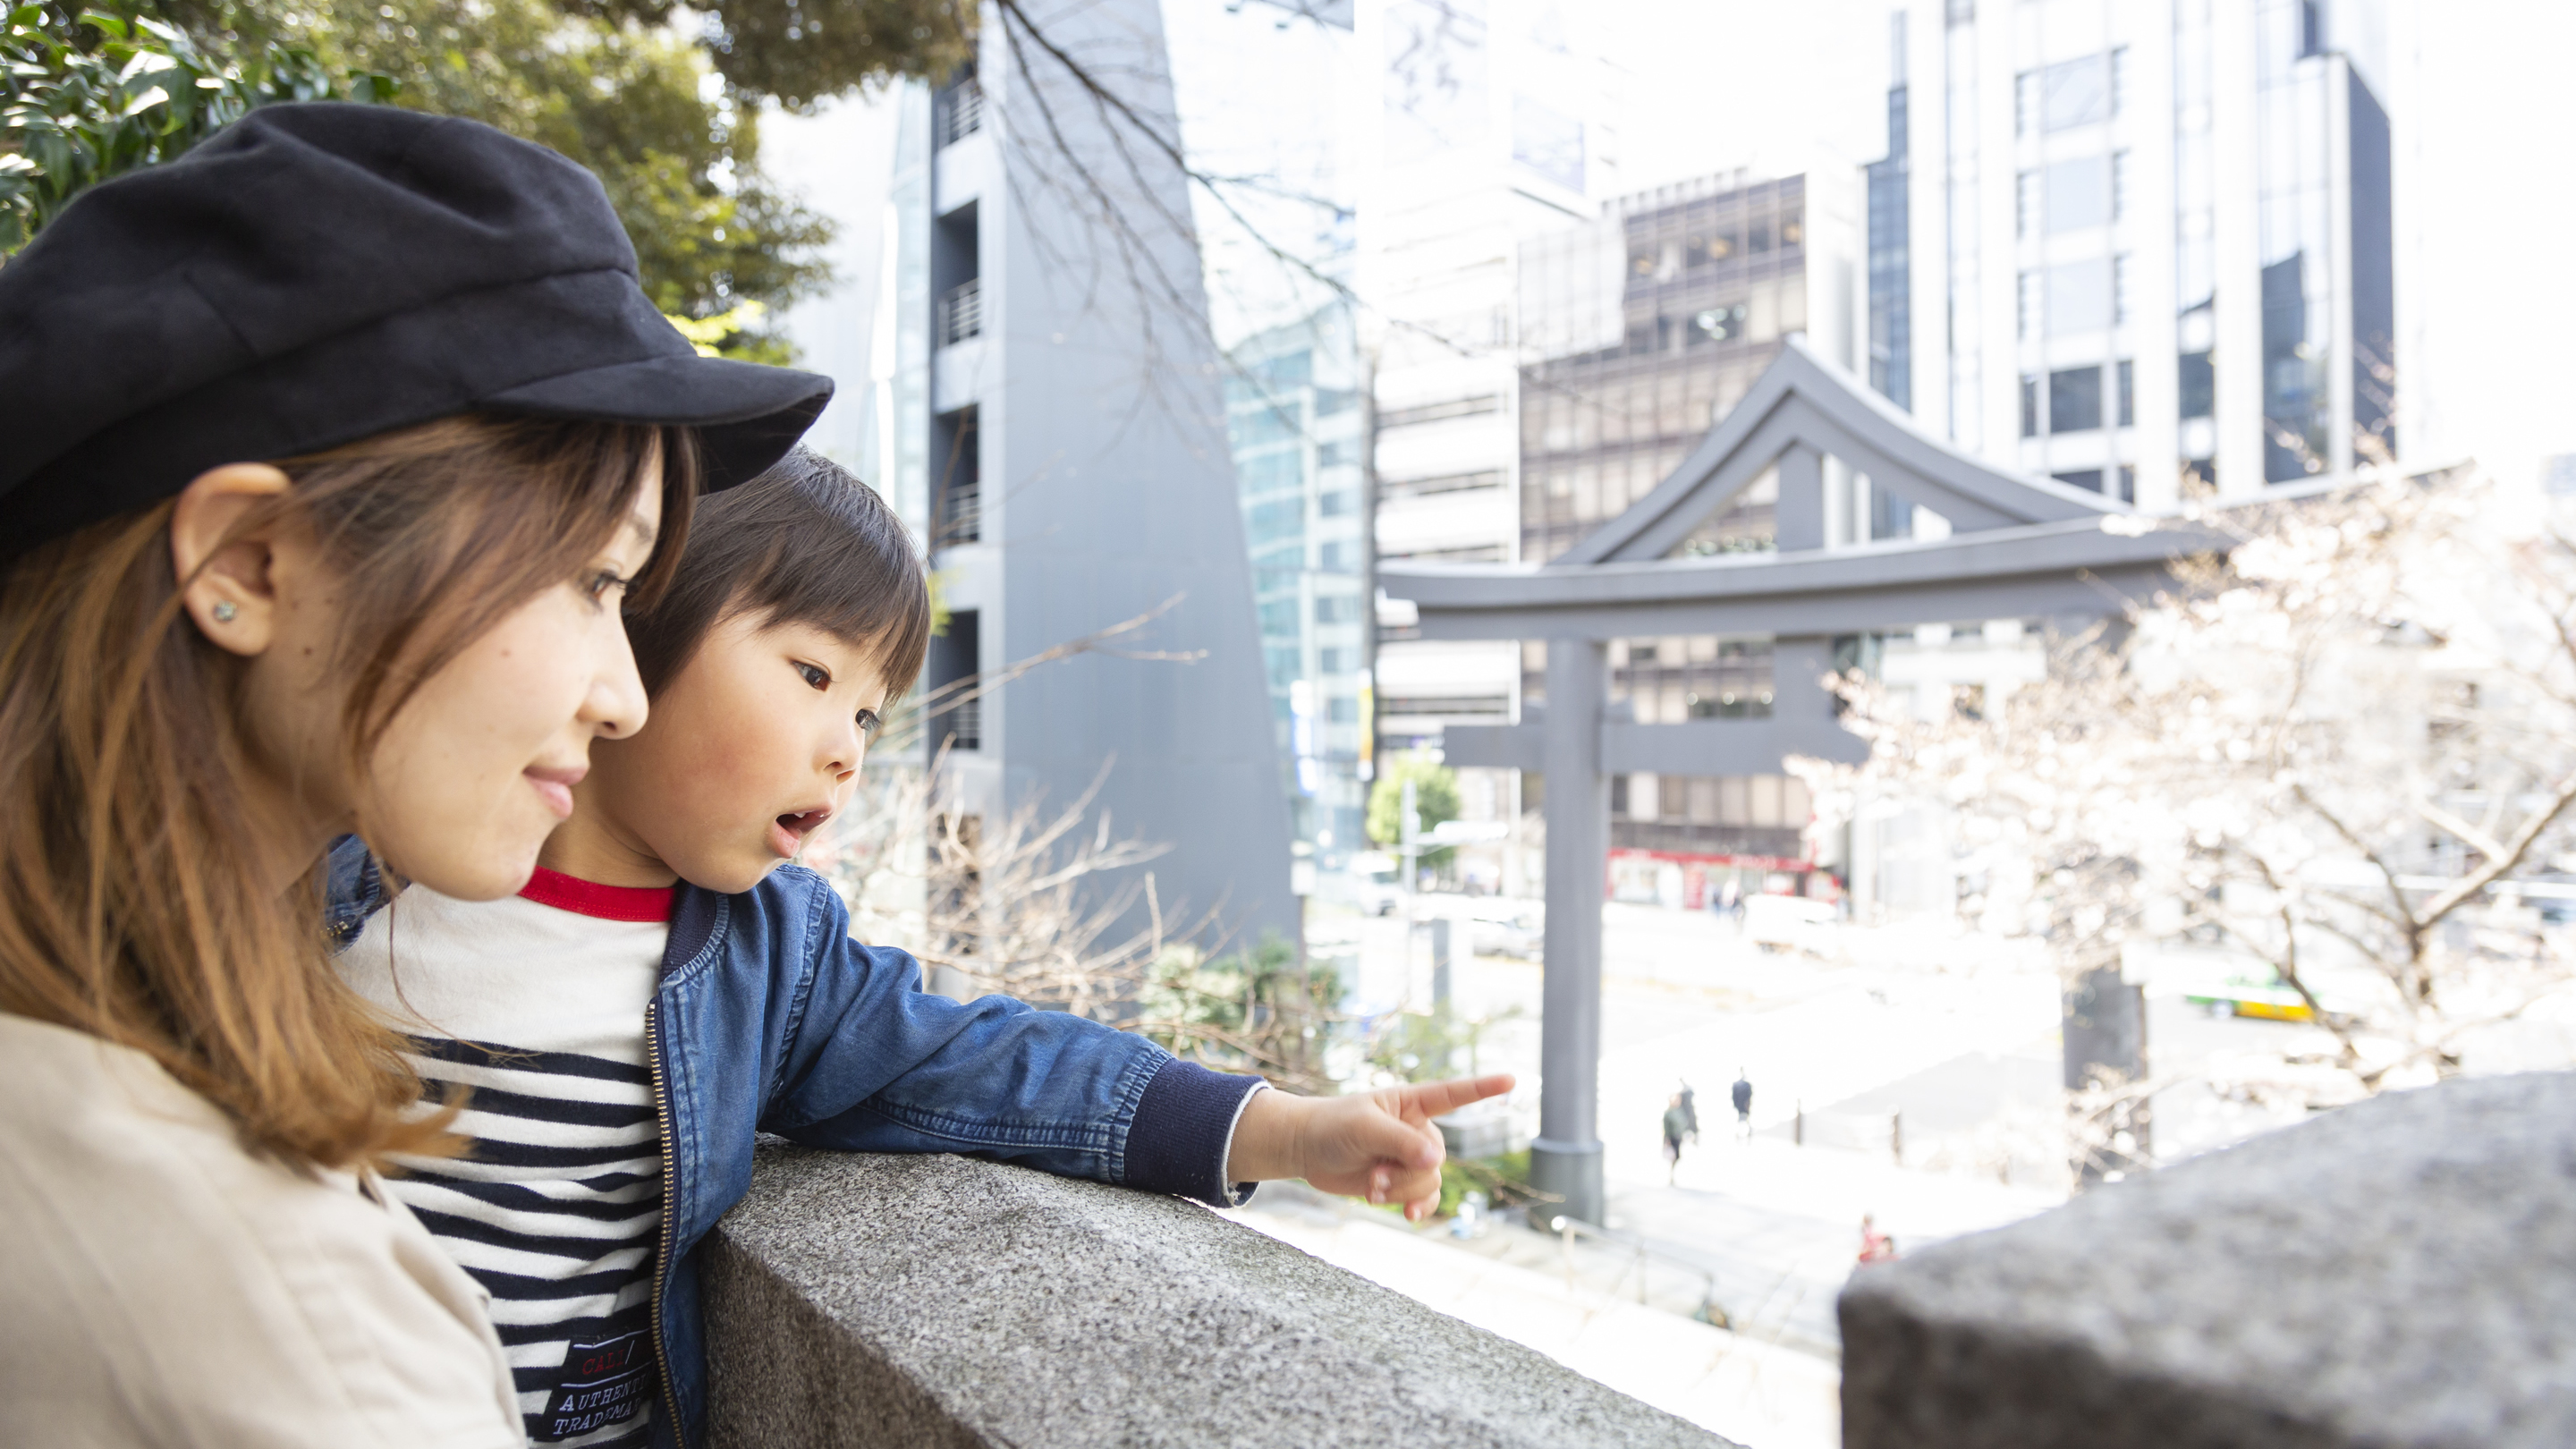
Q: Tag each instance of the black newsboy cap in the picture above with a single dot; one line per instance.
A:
(316, 274)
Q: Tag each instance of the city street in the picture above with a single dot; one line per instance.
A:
(1912, 1075)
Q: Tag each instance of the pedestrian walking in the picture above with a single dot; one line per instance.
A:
(1743, 1094)
(1676, 1127)
(1690, 1111)
(1875, 1246)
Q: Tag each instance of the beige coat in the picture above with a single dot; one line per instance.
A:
(160, 1286)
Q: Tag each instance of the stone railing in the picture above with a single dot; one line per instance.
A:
(859, 1300)
(2398, 1273)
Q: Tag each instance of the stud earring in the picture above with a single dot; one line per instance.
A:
(224, 611)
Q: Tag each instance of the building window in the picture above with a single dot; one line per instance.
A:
(2030, 407)
(2128, 484)
(2119, 289)
(2199, 385)
(956, 660)
(2026, 314)
(2088, 479)
(2025, 203)
(2075, 93)
(2119, 80)
(2075, 403)
(2119, 184)
(1337, 503)
(2128, 393)
(2025, 102)
(961, 484)
(2078, 297)
(2079, 193)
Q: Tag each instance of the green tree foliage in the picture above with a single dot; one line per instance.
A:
(677, 152)
(1259, 1010)
(88, 95)
(1435, 799)
(666, 116)
(798, 52)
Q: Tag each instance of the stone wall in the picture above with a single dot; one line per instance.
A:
(2398, 1273)
(862, 1300)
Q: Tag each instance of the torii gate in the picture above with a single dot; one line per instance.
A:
(2019, 548)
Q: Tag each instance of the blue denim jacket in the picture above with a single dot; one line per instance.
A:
(770, 1018)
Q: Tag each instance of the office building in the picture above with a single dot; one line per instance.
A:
(2127, 245)
(1639, 331)
(1493, 124)
(1061, 432)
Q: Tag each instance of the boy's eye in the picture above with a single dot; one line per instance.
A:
(815, 675)
(868, 721)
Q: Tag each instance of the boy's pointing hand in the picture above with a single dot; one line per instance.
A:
(1379, 1145)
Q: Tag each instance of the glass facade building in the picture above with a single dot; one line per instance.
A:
(1295, 424)
(2157, 249)
(1649, 327)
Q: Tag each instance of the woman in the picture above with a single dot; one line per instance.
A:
(327, 457)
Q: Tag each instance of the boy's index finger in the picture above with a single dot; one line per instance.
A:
(1438, 1099)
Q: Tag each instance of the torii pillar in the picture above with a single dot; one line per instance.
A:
(1566, 1157)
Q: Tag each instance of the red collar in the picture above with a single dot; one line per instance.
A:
(606, 902)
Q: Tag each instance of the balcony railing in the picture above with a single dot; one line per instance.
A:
(961, 111)
(961, 313)
(962, 512)
(962, 724)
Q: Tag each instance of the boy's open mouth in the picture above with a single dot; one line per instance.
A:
(787, 834)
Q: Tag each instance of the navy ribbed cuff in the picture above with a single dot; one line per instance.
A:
(1183, 1130)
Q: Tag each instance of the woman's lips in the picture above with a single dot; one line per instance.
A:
(553, 784)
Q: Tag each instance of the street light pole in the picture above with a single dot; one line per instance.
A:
(1408, 826)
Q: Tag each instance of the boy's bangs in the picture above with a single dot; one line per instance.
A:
(804, 543)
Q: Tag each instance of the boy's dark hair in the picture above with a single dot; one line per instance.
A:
(804, 543)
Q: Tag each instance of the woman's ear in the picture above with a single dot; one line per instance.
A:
(228, 581)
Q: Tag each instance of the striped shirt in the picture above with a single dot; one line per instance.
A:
(536, 1004)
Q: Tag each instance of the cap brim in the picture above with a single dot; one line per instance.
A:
(747, 415)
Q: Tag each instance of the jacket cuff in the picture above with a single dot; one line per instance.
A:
(1183, 1132)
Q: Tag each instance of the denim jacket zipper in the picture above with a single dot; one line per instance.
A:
(670, 1197)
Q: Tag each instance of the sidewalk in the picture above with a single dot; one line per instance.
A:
(1779, 1226)
(1755, 1393)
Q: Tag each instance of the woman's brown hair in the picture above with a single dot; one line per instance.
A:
(133, 904)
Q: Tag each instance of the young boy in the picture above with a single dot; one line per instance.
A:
(662, 990)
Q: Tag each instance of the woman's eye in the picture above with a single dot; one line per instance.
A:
(604, 583)
(815, 676)
(868, 721)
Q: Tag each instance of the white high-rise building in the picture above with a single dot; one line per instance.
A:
(2120, 244)
(1496, 121)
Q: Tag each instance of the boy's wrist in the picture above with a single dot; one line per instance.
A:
(1265, 1138)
